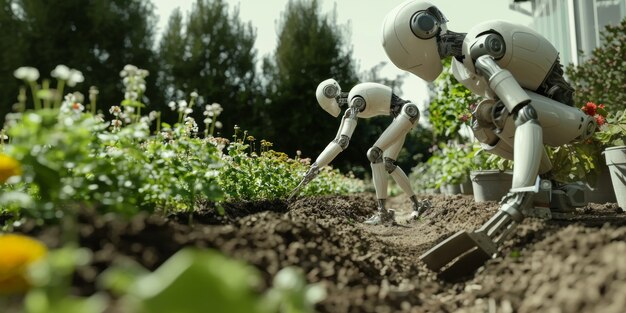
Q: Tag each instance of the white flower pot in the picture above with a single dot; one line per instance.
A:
(490, 185)
(602, 191)
(616, 161)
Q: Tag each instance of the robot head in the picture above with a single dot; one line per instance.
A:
(410, 33)
(326, 94)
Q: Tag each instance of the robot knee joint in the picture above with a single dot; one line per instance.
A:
(525, 114)
(375, 155)
(390, 165)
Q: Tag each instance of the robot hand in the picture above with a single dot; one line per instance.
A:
(313, 171)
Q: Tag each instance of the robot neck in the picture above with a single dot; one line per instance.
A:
(451, 44)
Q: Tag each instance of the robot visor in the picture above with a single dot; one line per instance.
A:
(428, 23)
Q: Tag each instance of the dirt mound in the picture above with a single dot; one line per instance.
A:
(565, 266)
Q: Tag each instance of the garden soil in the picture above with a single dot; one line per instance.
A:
(577, 265)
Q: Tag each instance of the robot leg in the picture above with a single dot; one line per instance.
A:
(392, 138)
(462, 253)
(400, 177)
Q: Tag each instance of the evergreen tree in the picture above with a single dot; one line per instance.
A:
(311, 48)
(211, 53)
(97, 37)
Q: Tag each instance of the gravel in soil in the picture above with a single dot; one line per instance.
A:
(547, 266)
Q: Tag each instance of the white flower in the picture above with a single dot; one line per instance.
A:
(194, 94)
(182, 104)
(71, 105)
(153, 115)
(130, 68)
(27, 73)
(75, 77)
(218, 125)
(188, 111)
(190, 125)
(61, 72)
(115, 110)
(172, 105)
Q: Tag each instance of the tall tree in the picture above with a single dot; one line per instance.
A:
(212, 52)
(311, 48)
(97, 37)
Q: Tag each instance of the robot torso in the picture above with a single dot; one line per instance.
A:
(376, 97)
(527, 55)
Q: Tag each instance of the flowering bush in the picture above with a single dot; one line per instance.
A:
(64, 157)
(582, 161)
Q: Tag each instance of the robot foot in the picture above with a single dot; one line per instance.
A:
(419, 208)
(382, 217)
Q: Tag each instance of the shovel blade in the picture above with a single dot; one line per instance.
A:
(459, 252)
(466, 265)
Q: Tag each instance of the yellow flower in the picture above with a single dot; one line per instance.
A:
(8, 167)
(17, 252)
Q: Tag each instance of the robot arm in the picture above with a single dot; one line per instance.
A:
(485, 51)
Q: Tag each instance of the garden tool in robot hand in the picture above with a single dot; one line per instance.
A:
(527, 103)
(367, 100)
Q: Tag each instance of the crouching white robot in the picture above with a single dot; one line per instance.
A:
(527, 104)
(367, 100)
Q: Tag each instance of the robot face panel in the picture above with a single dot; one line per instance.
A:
(410, 38)
(326, 94)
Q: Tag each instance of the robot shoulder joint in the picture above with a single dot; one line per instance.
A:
(488, 43)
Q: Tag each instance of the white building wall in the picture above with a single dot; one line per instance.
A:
(574, 26)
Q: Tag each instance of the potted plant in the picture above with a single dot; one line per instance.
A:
(611, 139)
(491, 175)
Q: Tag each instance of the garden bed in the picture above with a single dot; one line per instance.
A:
(566, 266)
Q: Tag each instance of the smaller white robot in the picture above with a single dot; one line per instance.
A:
(367, 100)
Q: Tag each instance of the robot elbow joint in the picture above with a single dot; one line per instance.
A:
(412, 112)
(343, 141)
(525, 114)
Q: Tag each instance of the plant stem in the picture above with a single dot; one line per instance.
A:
(60, 87)
(34, 89)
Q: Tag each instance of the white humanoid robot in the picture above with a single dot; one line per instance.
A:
(367, 100)
(527, 104)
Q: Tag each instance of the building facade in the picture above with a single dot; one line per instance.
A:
(573, 26)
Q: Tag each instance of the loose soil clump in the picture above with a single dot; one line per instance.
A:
(564, 266)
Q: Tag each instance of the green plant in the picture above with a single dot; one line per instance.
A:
(449, 164)
(194, 281)
(483, 160)
(248, 175)
(613, 132)
(69, 159)
(449, 110)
